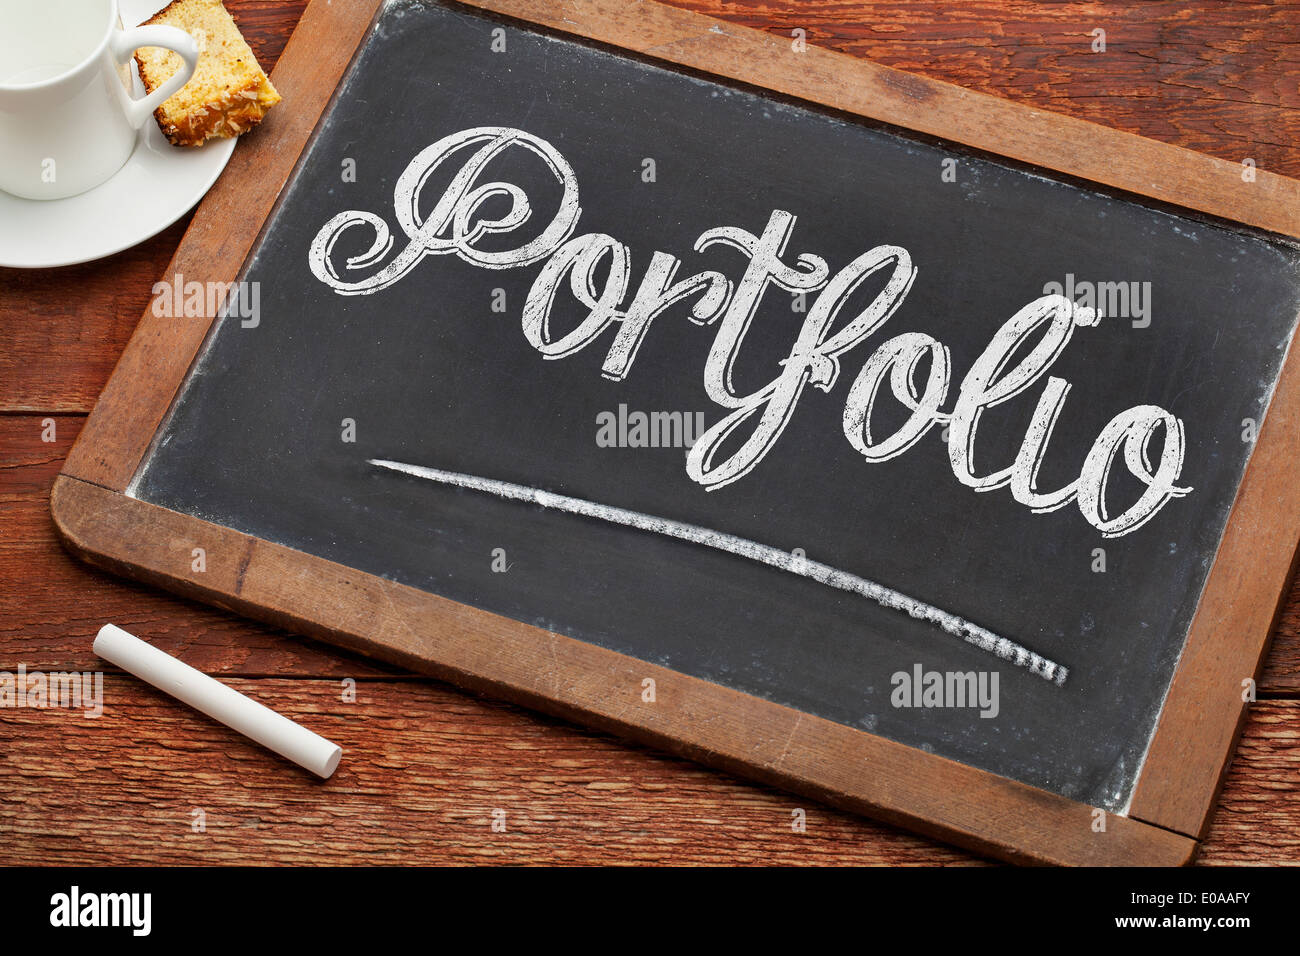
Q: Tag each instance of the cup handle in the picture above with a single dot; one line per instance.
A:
(126, 42)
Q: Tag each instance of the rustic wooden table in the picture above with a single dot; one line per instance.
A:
(427, 768)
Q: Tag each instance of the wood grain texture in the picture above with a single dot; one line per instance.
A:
(1091, 152)
(425, 767)
(559, 675)
(1220, 78)
(1204, 709)
(52, 605)
(49, 621)
(214, 247)
(1259, 809)
(62, 330)
(56, 631)
(521, 663)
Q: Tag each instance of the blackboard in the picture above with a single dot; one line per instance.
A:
(546, 475)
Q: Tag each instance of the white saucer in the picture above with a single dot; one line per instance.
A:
(158, 185)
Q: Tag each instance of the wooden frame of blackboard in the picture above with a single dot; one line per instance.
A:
(1203, 711)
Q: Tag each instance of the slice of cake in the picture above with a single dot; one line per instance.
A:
(228, 93)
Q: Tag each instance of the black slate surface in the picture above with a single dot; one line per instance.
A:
(432, 375)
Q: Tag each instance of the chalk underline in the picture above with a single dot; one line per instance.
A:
(980, 637)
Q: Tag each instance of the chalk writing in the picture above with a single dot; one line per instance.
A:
(752, 422)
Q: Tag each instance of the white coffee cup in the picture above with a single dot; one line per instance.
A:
(68, 121)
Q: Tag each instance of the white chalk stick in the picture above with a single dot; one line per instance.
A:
(271, 730)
